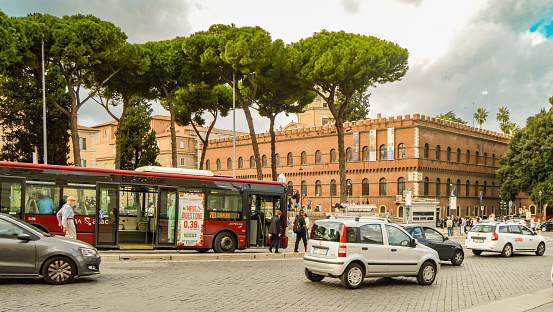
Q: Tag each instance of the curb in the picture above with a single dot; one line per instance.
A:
(517, 304)
(196, 257)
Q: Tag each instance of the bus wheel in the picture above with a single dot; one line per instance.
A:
(224, 242)
(58, 270)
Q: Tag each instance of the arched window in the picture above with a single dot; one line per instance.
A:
(290, 159)
(448, 187)
(349, 154)
(318, 157)
(467, 190)
(333, 187)
(400, 186)
(484, 190)
(218, 164)
(467, 211)
(486, 160)
(426, 182)
(401, 151)
(264, 161)
(400, 211)
(493, 160)
(303, 188)
(458, 188)
(382, 209)
(240, 162)
(532, 209)
(365, 153)
(476, 189)
(448, 153)
(318, 188)
(252, 162)
(476, 157)
(493, 189)
(438, 186)
(383, 187)
(426, 150)
(448, 211)
(468, 157)
(349, 187)
(383, 152)
(208, 165)
(277, 160)
(333, 156)
(303, 158)
(438, 150)
(290, 188)
(458, 155)
(365, 187)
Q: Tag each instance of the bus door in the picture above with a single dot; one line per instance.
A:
(261, 209)
(166, 222)
(137, 216)
(107, 215)
(12, 196)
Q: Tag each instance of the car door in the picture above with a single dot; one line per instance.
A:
(373, 249)
(16, 256)
(530, 242)
(403, 258)
(438, 242)
(516, 237)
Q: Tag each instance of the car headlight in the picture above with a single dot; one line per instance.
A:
(88, 252)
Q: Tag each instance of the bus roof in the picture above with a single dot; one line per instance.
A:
(205, 173)
(136, 173)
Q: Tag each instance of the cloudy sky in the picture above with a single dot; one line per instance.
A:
(464, 54)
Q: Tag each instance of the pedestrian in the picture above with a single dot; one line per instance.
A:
(301, 235)
(307, 226)
(463, 226)
(491, 218)
(45, 205)
(66, 218)
(275, 229)
(533, 224)
(538, 226)
(449, 226)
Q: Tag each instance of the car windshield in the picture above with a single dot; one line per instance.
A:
(31, 226)
(326, 231)
(483, 228)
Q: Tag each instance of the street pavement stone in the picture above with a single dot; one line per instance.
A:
(278, 284)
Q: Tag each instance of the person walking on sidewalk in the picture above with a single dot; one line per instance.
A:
(275, 229)
(302, 233)
(66, 218)
(463, 226)
(449, 224)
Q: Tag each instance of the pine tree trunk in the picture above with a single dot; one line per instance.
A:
(273, 147)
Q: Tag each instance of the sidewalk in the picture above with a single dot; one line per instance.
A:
(537, 301)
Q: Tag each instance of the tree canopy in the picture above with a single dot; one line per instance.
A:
(451, 117)
(480, 116)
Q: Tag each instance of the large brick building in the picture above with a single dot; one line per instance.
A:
(385, 156)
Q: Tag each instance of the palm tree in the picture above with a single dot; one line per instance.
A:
(480, 116)
(503, 117)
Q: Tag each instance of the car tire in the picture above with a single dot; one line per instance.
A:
(313, 277)
(458, 257)
(477, 252)
(427, 274)
(59, 270)
(224, 243)
(507, 250)
(353, 276)
(541, 249)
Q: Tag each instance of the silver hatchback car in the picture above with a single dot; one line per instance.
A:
(26, 251)
(352, 249)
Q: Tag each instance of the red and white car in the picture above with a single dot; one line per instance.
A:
(505, 238)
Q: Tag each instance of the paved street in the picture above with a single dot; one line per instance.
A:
(279, 284)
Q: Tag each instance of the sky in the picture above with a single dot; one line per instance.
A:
(463, 54)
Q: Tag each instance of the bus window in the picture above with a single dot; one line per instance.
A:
(224, 206)
(11, 198)
(85, 199)
(42, 198)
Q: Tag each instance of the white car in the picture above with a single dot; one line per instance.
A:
(354, 248)
(505, 238)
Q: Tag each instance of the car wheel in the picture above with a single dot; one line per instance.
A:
(313, 277)
(541, 249)
(507, 250)
(427, 274)
(477, 252)
(353, 276)
(457, 258)
(58, 270)
(224, 242)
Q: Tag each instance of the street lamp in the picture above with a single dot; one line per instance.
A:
(540, 203)
(301, 188)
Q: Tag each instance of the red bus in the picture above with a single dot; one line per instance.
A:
(156, 207)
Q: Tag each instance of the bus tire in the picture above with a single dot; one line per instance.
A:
(224, 242)
(58, 270)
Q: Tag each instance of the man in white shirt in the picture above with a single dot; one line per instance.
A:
(66, 218)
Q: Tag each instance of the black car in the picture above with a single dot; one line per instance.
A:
(547, 225)
(447, 249)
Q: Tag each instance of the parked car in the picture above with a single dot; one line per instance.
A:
(447, 249)
(547, 225)
(506, 238)
(26, 251)
(353, 249)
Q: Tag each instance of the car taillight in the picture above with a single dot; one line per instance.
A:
(342, 247)
(495, 236)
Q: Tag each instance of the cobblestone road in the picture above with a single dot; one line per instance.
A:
(270, 285)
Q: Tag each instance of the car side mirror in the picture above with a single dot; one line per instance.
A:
(446, 238)
(24, 237)
(414, 242)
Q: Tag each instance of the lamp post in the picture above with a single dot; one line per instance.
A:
(540, 204)
(301, 188)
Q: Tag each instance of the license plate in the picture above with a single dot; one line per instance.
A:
(320, 251)
(478, 240)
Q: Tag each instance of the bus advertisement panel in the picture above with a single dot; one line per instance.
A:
(191, 219)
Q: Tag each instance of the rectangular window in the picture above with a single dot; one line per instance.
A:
(181, 144)
(105, 134)
(85, 198)
(42, 198)
(83, 162)
(182, 161)
(370, 234)
(11, 198)
(224, 206)
(82, 143)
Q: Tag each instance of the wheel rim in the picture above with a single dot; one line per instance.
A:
(541, 248)
(428, 273)
(458, 257)
(508, 250)
(354, 276)
(226, 243)
(59, 271)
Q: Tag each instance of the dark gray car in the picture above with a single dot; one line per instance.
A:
(26, 251)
